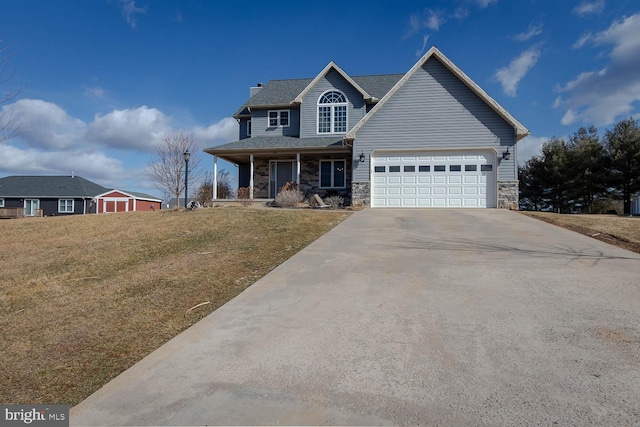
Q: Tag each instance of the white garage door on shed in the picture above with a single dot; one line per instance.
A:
(434, 179)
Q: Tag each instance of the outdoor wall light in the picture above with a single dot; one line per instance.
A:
(362, 157)
(506, 155)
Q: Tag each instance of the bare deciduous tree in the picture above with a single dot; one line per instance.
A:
(167, 169)
(9, 90)
(205, 191)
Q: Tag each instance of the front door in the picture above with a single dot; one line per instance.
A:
(279, 174)
(31, 206)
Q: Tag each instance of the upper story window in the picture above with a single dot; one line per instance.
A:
(332, 112)
(278, 118)
(248, 127)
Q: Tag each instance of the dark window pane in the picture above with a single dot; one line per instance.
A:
(379, 169)
(455, 168)
(470, 168)
(409, 168)
(394, 168)
(284, 118)
(486, 168)
(439, 168)
(338, 174)
(325, 174)
(424, 168)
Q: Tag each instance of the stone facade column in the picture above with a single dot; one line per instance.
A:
(361, 194)
(508, 197)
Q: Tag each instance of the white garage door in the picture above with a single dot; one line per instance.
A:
(451, 179)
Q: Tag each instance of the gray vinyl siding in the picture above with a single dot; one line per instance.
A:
(260, 123)
(309, 108)
(435, 110)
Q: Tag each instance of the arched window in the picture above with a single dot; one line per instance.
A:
(332, 112)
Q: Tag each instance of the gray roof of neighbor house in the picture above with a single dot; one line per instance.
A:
(283, 92)
(49, 186)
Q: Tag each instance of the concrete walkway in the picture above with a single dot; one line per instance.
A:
(405, 317)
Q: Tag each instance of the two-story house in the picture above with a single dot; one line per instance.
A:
(428, 138)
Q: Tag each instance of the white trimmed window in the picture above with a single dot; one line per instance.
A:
(278, 118)
(332, 173)
(248, 127)
(332, 112)
(65, 205)
(1, 203)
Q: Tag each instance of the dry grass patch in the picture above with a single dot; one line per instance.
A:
(84, 298)
(616, 230)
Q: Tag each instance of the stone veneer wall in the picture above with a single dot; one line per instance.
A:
(360, 194)
(508, 195)
(309, 175)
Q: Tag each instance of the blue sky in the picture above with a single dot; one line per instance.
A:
(103, 79)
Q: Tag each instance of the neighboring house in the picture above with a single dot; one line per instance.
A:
(125, 201)
(62, 195)
(428, 138)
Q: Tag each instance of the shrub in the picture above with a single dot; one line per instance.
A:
(243, 195)
(335, 202)
(288, 198)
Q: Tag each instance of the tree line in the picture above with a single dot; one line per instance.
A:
(584, 171)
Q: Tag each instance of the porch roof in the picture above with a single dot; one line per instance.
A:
(277, 145)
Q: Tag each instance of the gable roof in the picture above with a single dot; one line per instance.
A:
(521, 131)
(48, 186)
(132, 194)
(283, 93)
(333, 66)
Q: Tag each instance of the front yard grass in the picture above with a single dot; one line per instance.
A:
(84, 298)
(616, 230)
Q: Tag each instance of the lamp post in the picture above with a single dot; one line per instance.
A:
(186, 155)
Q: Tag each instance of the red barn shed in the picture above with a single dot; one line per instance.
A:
(126, 201)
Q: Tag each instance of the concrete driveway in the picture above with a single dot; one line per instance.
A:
(454, 317)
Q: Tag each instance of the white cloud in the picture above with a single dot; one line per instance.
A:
(461, 13)
(434, 19)
(425, 39)
(44, 124)
(95, 92)
(531, 32)
(510, 76)
(431, 19)
(225, 130)
(135, 129)
(587, 7)
(582, 40)
(529, 147)
(600, 97)
(485, 3)
(91, 165)
(130, 10)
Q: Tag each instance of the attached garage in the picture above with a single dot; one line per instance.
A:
(434, 179)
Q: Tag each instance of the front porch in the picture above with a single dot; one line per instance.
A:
(323, 172)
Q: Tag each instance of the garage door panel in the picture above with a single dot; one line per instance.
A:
(434, 179)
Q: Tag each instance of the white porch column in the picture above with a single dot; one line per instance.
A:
(251, 177)
(298, 170)
(215, 177)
